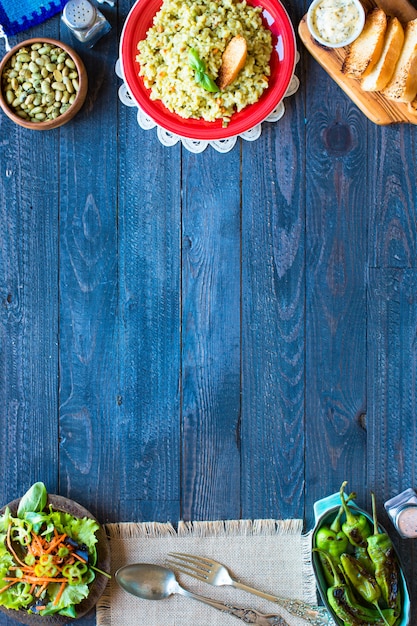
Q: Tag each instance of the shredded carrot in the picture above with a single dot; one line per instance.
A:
(6, 587)
(36, 544)
(41, 590)
(35, 579)
(80, 558)
(10, 547)
(55, 544)
(60, 592)
(23, 569)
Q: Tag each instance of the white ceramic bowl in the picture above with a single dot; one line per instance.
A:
(327, 10)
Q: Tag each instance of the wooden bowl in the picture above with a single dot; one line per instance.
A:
(70, 112)
(97, 587)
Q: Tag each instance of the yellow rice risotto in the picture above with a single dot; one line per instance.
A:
(205, 26)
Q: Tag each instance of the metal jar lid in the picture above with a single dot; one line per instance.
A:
(79, 14)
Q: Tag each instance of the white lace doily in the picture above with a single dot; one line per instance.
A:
(198, 145)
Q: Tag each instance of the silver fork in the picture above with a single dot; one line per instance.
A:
(217, 574)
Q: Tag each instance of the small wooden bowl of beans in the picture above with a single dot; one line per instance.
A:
(43, 84)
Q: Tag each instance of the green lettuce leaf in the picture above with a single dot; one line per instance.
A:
(72, 595)
(5, 520)
(33, 500)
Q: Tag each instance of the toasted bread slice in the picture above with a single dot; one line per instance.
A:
(384, 68)
(403, 84)
(233, 59)
(365, 51)
(402, 9)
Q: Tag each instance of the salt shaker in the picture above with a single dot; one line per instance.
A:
(85, 21)
(402, 510)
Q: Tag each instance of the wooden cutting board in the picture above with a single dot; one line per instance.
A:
(374, 105)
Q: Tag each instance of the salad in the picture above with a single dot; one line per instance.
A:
(47, 557)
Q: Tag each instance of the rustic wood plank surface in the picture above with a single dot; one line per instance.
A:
(208, 336)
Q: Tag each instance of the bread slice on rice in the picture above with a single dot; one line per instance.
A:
(402, 86)
(365, 51)
(233, 60)
(384, 68)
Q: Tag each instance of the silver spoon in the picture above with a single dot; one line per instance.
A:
(154, 582)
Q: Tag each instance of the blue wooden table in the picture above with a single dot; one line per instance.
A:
(208, 336)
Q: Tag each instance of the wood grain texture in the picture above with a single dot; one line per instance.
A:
(88, 294)
(392, 371)
(29, 311)
(29, 296)
(149, 434)
(273, 304)
(149, 336)
(211, 337)
(336, 249)
(392, 219)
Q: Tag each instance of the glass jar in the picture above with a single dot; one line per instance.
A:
(85, 21)
(402, 510)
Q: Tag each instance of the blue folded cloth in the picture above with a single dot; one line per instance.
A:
(18, 15)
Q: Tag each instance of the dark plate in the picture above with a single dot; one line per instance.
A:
(60, 503)
(325, 511)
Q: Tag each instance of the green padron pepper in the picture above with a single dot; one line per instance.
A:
(344, 604)
(356, 527)
(387, 573)
(363, 583)
(362, 556)
(332, 540)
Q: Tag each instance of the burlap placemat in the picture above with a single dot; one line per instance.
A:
(272, 555)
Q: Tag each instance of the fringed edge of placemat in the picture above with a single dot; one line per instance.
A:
(309, 580)
(219, 528)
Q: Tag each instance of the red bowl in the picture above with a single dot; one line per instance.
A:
(282, 64)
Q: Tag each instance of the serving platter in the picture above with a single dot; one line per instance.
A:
(379, 109)
(282, 64)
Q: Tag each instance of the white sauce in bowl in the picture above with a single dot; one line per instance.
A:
(335, 21)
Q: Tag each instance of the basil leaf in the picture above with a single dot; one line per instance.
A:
(207, 83)
(201, 77)
(195, 62)
(33, 500)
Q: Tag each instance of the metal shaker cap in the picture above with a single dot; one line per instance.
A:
(79, 14)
